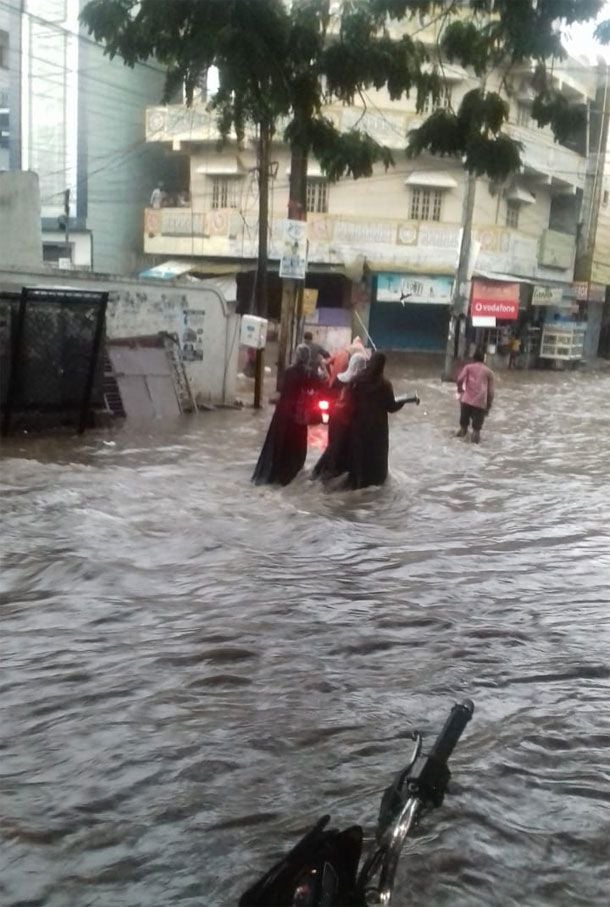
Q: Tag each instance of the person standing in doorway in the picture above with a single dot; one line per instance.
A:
(514, 348)
(476, 389)
(157, 197)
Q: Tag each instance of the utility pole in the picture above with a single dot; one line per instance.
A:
(261, 285)
(459, 306)
(596, 140)
(292, 290)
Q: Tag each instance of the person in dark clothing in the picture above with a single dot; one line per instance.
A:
(373, 398)
(335, 459)
(285, 448)
(319, 356)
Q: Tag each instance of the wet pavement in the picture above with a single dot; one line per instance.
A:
(193, 669)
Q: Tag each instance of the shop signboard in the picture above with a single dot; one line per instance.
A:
(310, 301)
(589, 292)
(547, 296)
(408, 288)
(495, 299)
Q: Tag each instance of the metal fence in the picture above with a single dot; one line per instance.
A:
(51, 370)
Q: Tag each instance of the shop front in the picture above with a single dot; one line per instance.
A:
(494, 320)
(411, 312)
(591, 298)
(556, 310)
(524, 324)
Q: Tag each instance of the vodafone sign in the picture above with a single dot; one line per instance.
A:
(491, 299)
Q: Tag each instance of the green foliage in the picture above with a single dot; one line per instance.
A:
(281, 61)
(340, 154)
(602, 32)
(565, 119)
(472, 135)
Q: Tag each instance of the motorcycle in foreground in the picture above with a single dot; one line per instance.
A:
(322, 870)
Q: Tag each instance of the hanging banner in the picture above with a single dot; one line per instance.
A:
(293, 263)
(492, 299)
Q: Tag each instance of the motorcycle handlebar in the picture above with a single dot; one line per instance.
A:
(454, 726)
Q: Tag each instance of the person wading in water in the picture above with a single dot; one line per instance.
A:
(476, 389)
(335, 459)
(373, 398)
(285, 449)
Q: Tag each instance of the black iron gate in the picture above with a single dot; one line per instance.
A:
(50, 364)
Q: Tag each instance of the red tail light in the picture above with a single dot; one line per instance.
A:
(324, 406)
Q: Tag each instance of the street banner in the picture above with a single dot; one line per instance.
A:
(293, 263)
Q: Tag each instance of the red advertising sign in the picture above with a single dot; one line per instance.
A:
(492, 299)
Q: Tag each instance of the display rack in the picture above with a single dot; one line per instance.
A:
(563, 341)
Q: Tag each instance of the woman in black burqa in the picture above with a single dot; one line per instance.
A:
(285, 449)
(335, 459)
(373, 398)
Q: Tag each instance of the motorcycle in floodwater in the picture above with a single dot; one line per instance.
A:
(322, 402)
(323, 869)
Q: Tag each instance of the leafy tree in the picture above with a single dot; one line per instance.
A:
(281, 61)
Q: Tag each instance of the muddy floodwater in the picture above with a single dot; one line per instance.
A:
(192, 669)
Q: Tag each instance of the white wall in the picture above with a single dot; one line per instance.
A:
(147, 307)
(20, 235)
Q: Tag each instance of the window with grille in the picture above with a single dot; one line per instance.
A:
(512, 215)
(317, 196)
(225, 192)
(442, 102)
(426, 204)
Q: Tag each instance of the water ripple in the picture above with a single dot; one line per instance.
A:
(194, 669)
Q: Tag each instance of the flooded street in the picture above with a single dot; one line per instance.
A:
(193, 669)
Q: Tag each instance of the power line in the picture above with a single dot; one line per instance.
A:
(78, 35)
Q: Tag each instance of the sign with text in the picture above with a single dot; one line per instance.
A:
(408, 288)
(492, 299)
(310, 301)
(293, 263)
(547, 296)
(589, 292)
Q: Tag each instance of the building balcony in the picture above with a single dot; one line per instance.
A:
(547, 162)
(403, 246)
(177, 123)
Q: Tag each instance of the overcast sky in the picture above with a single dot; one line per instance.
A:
(579, 39)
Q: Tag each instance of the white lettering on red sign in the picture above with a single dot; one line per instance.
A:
(495, 300)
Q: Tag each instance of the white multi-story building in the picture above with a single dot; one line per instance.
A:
(404, 225)
(77, 119)
(4, 88)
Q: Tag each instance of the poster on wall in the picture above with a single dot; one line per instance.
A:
(193, 335)
(493, 299)
(408, 288)
(293, 263)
